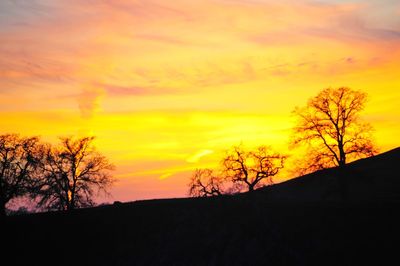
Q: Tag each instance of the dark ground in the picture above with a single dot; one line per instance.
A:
(275, 226)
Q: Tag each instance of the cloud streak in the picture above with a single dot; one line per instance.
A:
(123, 91)
(89, 101)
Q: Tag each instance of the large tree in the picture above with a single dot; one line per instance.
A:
(72, 173)
(330, 126)
(252, 169)
(18, 163)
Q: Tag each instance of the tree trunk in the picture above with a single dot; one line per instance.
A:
(70, 206)
(2, 201)
(342, 155)
(2, 209)
(251, 187)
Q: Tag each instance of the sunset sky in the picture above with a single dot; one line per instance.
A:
(168, 86)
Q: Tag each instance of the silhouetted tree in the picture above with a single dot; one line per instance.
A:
(331, 128)
(204, 183)
(18, 162)
(252, 169)
(72, 173)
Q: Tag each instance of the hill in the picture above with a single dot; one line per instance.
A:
(372, 179)
(299, 222)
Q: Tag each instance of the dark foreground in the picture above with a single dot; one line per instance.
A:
(248, 229)
(225, 231)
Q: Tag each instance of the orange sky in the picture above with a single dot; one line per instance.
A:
(168, 86)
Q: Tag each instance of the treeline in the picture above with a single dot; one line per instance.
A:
(55, 177)
(329, 127)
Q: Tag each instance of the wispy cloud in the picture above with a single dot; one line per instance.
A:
(162, 38)
(198, 155)
(89, 101)
(122, 91)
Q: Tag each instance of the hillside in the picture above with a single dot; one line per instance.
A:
(299, 222)
(372, 179)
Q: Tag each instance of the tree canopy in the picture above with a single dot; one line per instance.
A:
(72, 173)
(332, 130)
(18, 162)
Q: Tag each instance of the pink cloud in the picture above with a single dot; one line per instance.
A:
(162, 38)
(120, 91)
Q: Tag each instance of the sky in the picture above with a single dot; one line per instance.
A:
(169, 86)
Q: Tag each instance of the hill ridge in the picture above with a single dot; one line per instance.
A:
(367, 179)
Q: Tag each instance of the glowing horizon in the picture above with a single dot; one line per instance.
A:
(168, 86)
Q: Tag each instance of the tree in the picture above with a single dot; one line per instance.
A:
(204, 183)
(331, 128)
(72, 173)
(18, 162)
(252, 169)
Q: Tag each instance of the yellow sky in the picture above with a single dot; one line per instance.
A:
(168, 86)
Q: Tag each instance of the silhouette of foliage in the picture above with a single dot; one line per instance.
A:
(204, 183)
(18, 162)
(72, 173)
(252, 169)
(241, 171)
(331, 128)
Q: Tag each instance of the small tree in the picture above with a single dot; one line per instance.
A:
(332, 130)
(252, 169)
(72, 173)
(204, 183)
(18, 162)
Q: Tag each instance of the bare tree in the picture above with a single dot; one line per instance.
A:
(331, 128)
(72, 173)
(204, 183)
(18, 162)
(252, 169)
